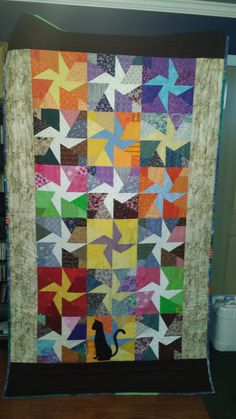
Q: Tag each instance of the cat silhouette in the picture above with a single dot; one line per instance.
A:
(103, 350)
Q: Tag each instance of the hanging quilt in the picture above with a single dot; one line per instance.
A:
(111, 149)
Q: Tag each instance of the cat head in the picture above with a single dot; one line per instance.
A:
(97, 325)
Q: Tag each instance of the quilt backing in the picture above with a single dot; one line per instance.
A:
(111, 171)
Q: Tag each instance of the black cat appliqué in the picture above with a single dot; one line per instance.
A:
(103, 350)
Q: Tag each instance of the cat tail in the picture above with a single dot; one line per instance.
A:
(115, 340)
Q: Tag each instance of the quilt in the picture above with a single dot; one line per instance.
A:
(111, 149)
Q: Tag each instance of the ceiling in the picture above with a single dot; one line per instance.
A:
(194, 7)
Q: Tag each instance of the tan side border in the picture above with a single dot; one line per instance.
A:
(21, 203)
(202, 168)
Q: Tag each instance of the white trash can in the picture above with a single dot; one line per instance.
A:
(223, 323)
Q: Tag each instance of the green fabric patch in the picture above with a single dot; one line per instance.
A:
(44, 205)
(175, 276)
(76, 208)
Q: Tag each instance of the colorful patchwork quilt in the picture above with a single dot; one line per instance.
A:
(111, 158)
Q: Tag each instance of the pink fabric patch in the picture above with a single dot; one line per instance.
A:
(77, 176)
(178, 234)
(70, 116)
(40, 180)
(144, 304)
(147, 275)
(179, 262)
(71, 322)
(50, 172)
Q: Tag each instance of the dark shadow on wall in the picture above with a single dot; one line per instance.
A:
(112, 21)
(222, 405)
